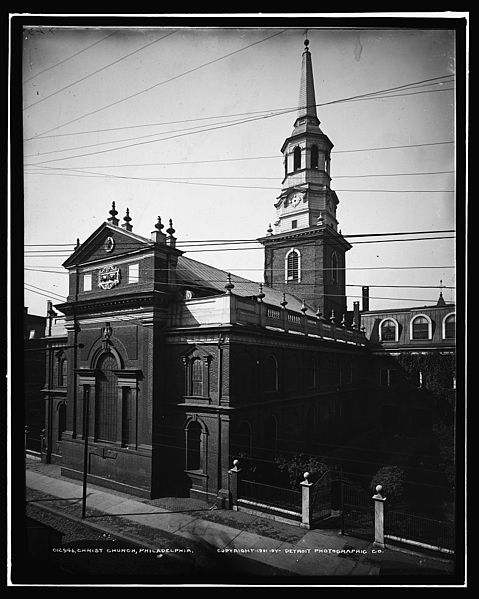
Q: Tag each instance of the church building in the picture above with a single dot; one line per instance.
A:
(172, 368)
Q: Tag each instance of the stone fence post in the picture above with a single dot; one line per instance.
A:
(306, 504)
(379, 502)
(233, 481)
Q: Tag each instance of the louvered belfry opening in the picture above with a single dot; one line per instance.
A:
(106, 399)
(293, 266)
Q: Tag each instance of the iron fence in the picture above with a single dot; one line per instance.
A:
(281, 497)
(436, 533)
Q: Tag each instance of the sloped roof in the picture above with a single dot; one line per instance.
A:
(200, 274)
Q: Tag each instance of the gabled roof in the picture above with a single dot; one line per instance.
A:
(83, 250)
(200, 274)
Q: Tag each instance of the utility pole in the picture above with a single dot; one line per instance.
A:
(85, 448)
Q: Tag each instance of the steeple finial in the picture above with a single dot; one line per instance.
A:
(113, 220)
(307, 97)
(126, 225)
(440, 301)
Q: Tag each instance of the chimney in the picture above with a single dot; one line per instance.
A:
(365, 299)
(356, 316)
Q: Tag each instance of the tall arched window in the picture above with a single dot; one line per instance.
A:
(193, 446)
(314, 157)
(449, 326)
(270, 374)
(270, 433)
(334, 267)
(293, 266)
(62, 370)
(197, 377)
(421, 327)
(388, 330)
(106, 401)
(297, 158)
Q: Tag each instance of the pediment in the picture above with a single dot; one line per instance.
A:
(108, 241)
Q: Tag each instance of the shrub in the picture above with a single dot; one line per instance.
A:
(296, 465)
(392, 480)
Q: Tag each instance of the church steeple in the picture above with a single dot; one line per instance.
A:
(307, 97)
(305, 253)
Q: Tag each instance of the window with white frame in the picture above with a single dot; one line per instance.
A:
(87, 281)
(133, 273)
(388, 330)
(449, 326)
(293, 266)
(421, 327)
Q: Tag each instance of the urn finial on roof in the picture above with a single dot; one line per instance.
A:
(113, 220)
(126, 225)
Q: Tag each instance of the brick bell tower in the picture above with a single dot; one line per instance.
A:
(305, 255)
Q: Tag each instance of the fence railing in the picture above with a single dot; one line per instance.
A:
(402, 526)
(360, 513)
(281, 497)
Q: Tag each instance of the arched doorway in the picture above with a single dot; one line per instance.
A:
(106, 401)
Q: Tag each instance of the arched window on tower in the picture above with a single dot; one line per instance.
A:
(293, 266)
(334, 267)
(297, 158)
(314, 157)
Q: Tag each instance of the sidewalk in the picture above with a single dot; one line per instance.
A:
(262, 543)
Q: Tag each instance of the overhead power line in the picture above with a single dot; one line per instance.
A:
(211, 128)
(433, 81)
(162, 83)
(218, 160)
(189, 131)
(68, 58)
(204, 245)
(225, 241)
(205, 284)
(97, 71)
(89, 174)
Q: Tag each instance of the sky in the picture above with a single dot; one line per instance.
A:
(172, 96)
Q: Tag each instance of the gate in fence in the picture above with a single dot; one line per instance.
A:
(357, 511)
(325, 497)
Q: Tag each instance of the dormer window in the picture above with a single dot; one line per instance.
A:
(421, 327)
(388, 330)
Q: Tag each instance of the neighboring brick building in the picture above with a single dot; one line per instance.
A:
(34, 368)
(413, 353)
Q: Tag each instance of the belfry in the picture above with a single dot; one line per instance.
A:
(305, 254)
